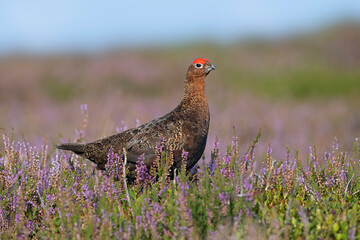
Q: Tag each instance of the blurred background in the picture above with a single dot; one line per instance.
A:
(289, 68)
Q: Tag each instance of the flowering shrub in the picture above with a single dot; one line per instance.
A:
(45, 193)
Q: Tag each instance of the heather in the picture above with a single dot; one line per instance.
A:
(233, 195)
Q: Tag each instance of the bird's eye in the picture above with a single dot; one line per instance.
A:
(198, 65)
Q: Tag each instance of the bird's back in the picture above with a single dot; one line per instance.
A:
(178, 130)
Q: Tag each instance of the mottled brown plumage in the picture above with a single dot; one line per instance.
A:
(184, 128)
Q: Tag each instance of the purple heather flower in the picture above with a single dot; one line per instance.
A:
(225, 168)
(269, 150)
(141, 157)
(162, 191)
(318, 195)
(330, 180)
(182, 201)
(139, 223)
(351, 233)
(114, 165)
(14, 203)
(137, 122)
(160, 145)
(2, 161)
(335, 145)
(110, 160)
(51, 197)
(184, 155)
(227, 160)
(277, 171)
(55, 164)
(182, 186)
(247, 181)
(142, 174)
(223, 198)
(79, 134)
(300, 180)
(240, 214)
(247, 160)
(122, 127)
(327, 155)
(312, 157)
(234, 142)
(83, 108)
(141, 171)
(212, 166)
(30, 226)
(283, 166)
(216, 145)
(248, 212)
(20, 237)
(2, 215)
(17, 218)
(87, 192)
(342, 176)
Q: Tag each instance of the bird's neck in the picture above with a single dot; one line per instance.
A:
(194, 101)
(194, 87)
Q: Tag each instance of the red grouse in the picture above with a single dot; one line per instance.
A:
(183, 129)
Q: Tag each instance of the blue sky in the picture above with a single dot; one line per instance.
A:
(83, 25)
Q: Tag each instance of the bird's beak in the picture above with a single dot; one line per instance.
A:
(210, 68)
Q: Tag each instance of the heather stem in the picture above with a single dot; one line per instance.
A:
(124, 177)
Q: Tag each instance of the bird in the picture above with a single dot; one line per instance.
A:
(184, 129)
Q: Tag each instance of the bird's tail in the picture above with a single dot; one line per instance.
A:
(77, 148)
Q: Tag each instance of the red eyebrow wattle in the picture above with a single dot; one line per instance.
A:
(201, 60)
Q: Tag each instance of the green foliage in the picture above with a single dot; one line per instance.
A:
(58, 90)
(300, 83)
(226, 197)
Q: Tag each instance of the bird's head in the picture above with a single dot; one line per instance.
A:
(201, 67)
